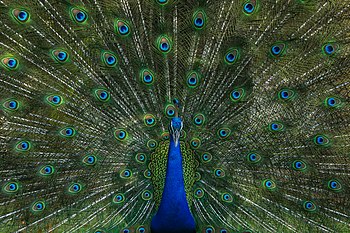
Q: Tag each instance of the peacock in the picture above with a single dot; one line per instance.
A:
(175, 116)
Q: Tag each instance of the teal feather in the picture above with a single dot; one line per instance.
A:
(88, 91)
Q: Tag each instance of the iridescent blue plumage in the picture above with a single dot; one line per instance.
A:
(174, 215)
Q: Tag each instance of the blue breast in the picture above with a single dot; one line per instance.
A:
(173, 215)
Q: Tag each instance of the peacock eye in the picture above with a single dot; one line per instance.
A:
(11, 105)
(74, 188)
(231, 56)
(11, 187)
(38, 206)
(278, 49)
(299, 165)
(269, 184)
(120, 134)
(22, 16)
(195, 143)
(334, 185)
(89, 160)
(193, 79)
(253, 157)
(54, 100)
(165, 135)
(60, 55)
(321, 140)
(10, 63)
(237, 94)
(199, 119)
(152, 144)
(333, 102)
(276, 126)
(23, 146)
(163, 43)
(226, 197)
(219, 173)
(330, 48)
(122, 27)
(206, 157)
(198, 193)
(109, 59)
(199, 19)
(164, 46)
(309, 206)
(147, 174)
(102, 95)
(140, 157)
(46, 170)
(141, 229)
(67, 132)
(126, 173)
(286, 94)
(146, 195)
(118, 198)
(208, 229)
(224, 133)
(249, 7)
(170, 110)
(149, 120)
(80, 16)
(147, 77)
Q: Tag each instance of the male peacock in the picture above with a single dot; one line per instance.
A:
(175, 116)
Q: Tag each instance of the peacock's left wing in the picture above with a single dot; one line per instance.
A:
(82, 107)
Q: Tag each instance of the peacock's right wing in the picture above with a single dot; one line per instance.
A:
(270, 119)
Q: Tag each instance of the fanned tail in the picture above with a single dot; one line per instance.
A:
(87, 94)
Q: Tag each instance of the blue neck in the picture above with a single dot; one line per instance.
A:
(173, 213)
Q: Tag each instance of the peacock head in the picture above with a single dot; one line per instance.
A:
(175, 128)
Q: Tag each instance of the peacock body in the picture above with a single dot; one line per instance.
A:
(175, 116)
